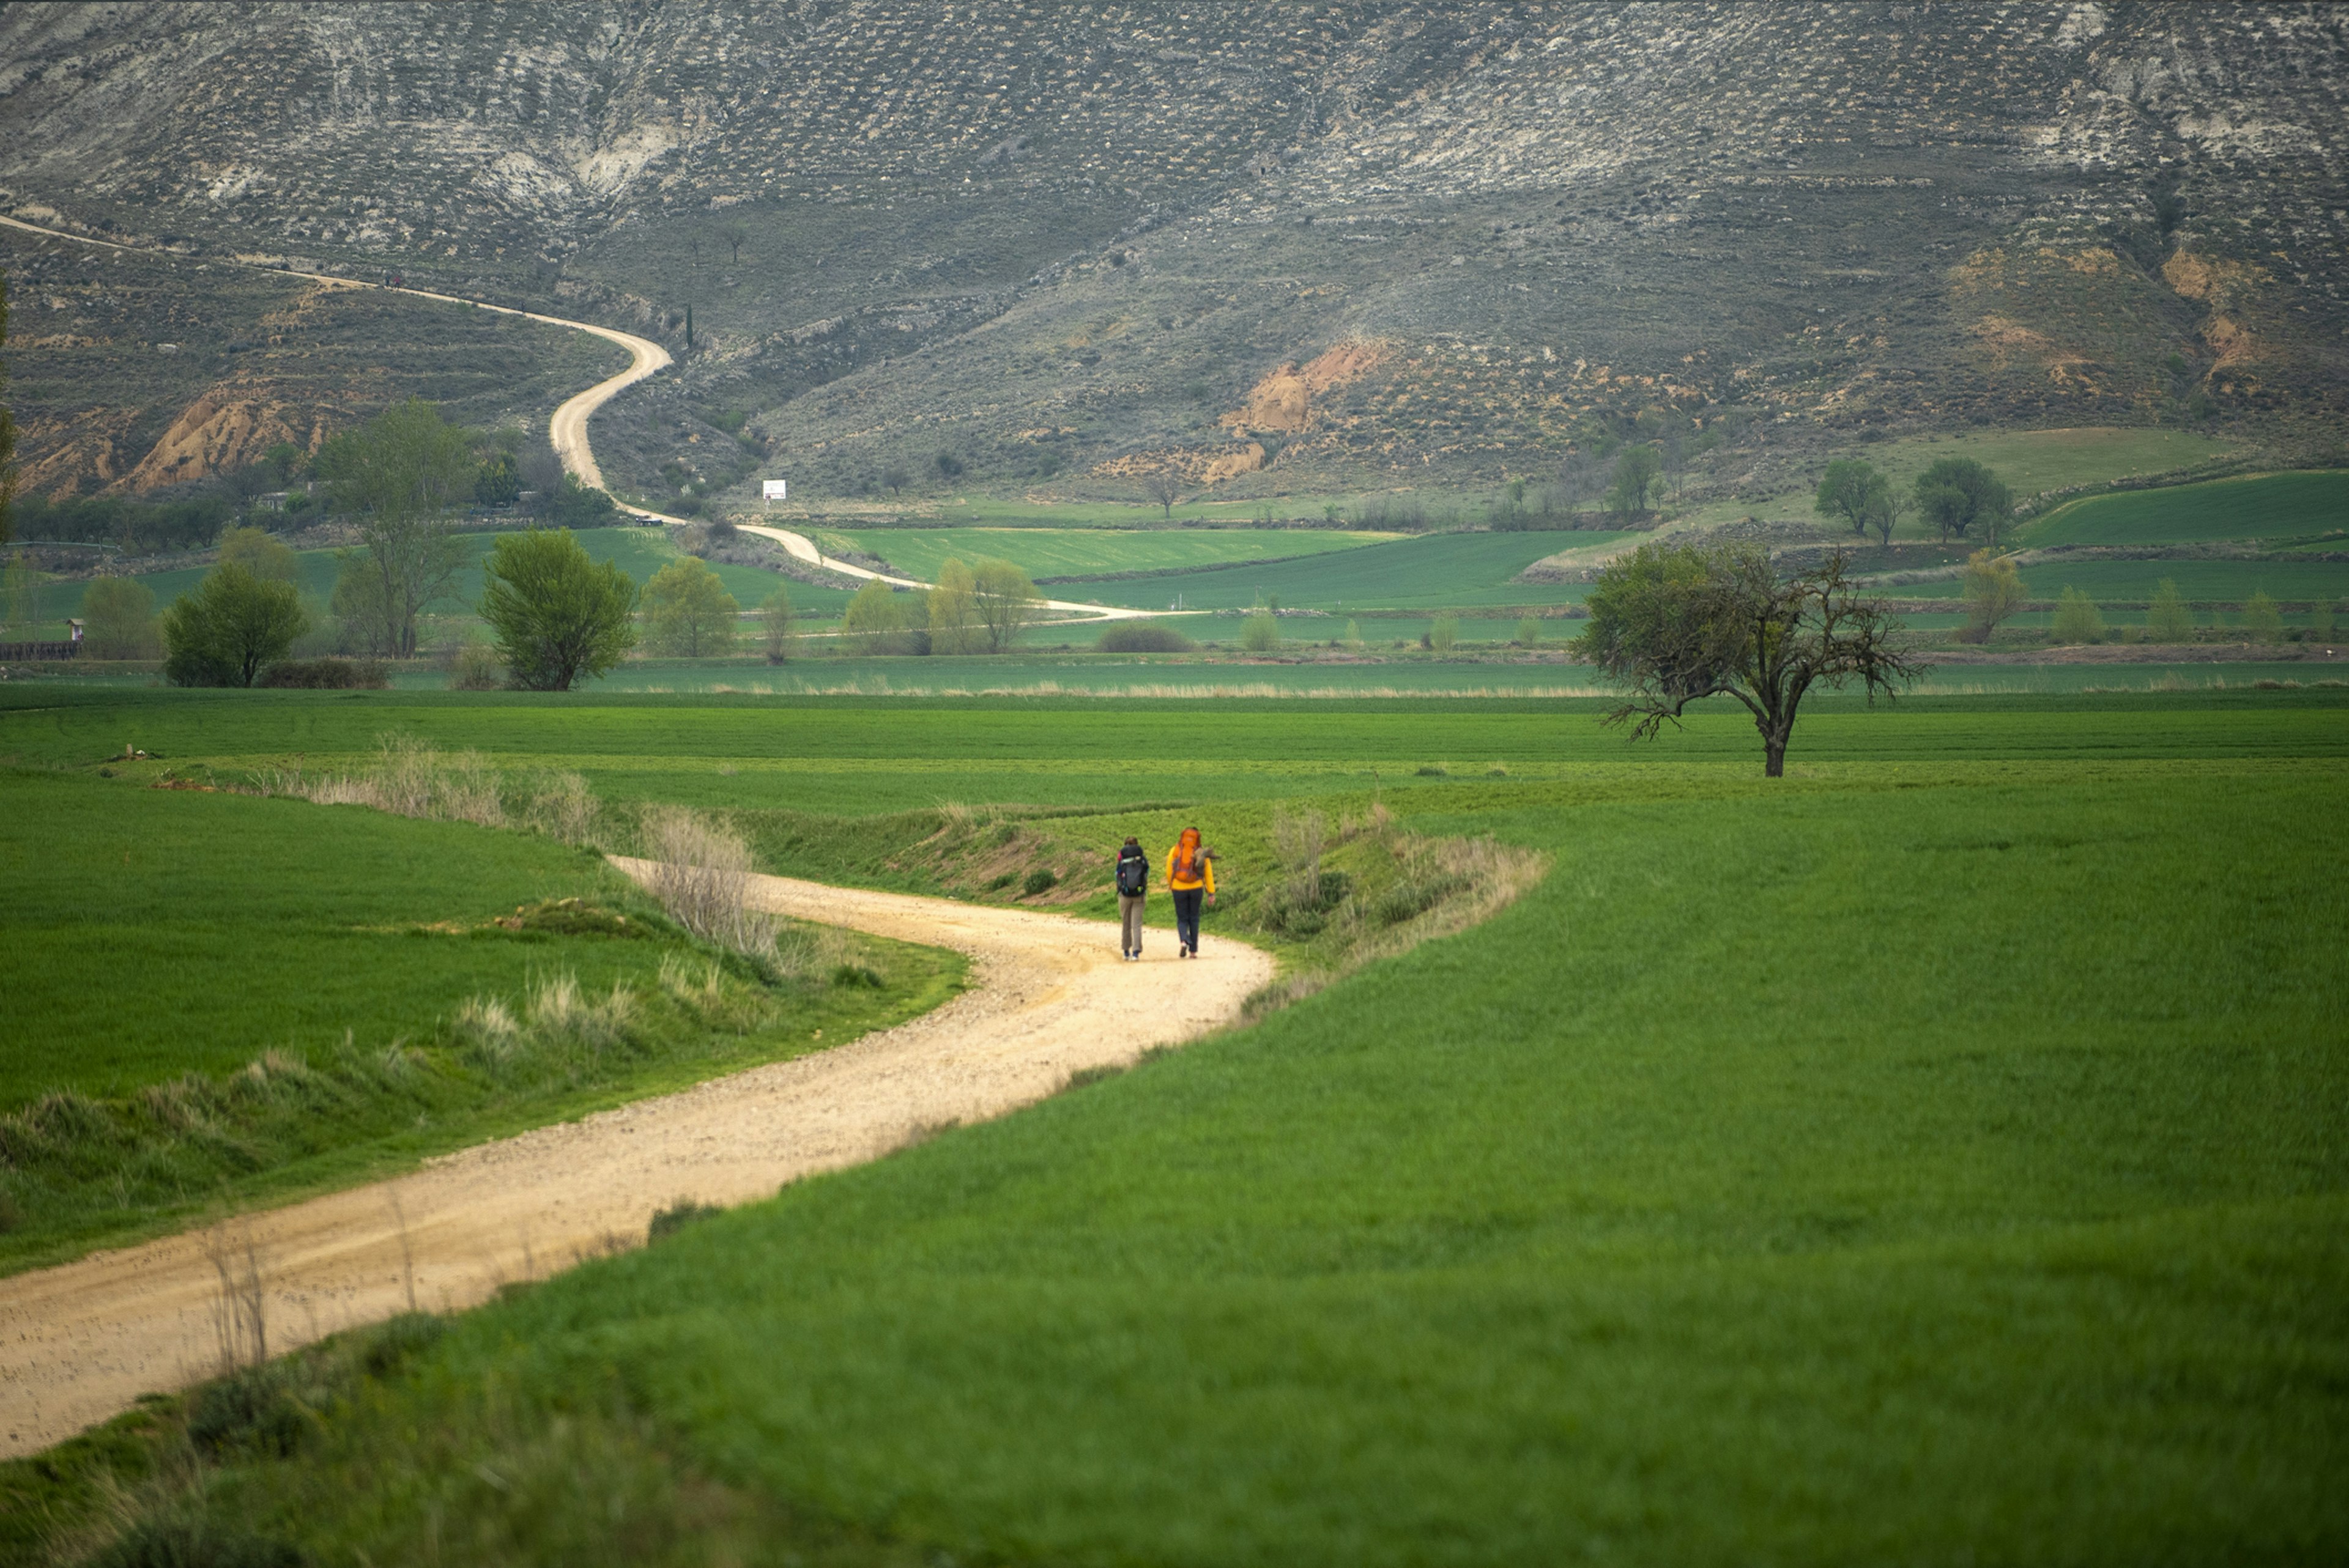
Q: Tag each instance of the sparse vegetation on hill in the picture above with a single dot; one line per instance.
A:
(1251, 249)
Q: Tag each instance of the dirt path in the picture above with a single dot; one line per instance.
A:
(80, 1342)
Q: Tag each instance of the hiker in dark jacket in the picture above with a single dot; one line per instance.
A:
(1132, 888)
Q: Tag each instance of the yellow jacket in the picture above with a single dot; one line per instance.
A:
(1206, 877)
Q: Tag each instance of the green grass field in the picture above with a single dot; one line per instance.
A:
(1446, 570)
(2281, 508)
(1068, 553)
(150, 935)
(2033, 461)
(1939, 1155)
(2202, 581)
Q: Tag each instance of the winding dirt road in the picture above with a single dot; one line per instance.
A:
(566, 432)
(79, 1341)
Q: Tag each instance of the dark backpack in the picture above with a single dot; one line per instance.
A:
(1132, 871)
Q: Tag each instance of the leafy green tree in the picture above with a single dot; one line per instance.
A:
(401, 473)
(497, 481)
(1994, 592)
(775, 621)
(269, 559)
(1682, 622)
(1529, 631)
(556, 615)
(2167, 619)
(229, 627)
(119, 621)
(874, 619)
(687, 610)
(1956, 493)
(954, 610)
(1355, 635)
(1637, 474)
(1443, 633)
(1853, 492)
(893, 477)
(2263, 622)
(1006, 601)
(2077, 618)
(1261, 633)
(574, 505)
(7, 430)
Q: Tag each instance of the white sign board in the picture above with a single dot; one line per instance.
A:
(772, 489)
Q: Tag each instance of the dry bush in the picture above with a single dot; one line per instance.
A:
(413, 779)
(564, 809)
(701, 874)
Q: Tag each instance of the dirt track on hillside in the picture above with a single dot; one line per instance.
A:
(81, 1341)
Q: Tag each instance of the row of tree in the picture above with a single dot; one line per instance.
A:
(1953, 494)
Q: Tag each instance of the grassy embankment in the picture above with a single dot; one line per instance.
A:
(156, 943)
(1939, 1157)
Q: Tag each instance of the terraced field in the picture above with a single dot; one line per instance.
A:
(2281, 508)
(1094, 552)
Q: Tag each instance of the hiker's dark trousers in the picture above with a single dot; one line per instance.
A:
(1186, 915)
(1129, 910)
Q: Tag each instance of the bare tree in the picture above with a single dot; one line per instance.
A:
(1688, 622)
(1165, 487)
(736, 234)
(1005, 601)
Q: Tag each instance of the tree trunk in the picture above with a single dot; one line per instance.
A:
(1774, 753)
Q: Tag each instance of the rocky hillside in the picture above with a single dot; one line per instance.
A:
(1266, 246)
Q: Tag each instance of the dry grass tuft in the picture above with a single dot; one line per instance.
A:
(701, 874)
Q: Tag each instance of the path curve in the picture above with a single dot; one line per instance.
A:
(1052, 999)
(566, 432)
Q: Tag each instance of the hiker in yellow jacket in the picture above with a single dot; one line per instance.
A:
(1190, 873)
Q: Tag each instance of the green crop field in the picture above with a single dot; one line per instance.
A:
(1446, 570)
(2202, 581)
(2281, 508)
(1940, 1153)
(150, 935)
(1073, 551)
(2033, 461)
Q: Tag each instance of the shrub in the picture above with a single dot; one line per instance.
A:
(326, 675)
(1444, 634)
(702, 877)
(1144, 638)
(118, 620)
(1994, 592)
(2166, 618)
(557, 615)
(687, 610)
(475, 666)
(232, 624)
(1260, 634)
(2263, 622)
(1529, 631)
(1038, 880)
(249, 1410)
(396, 1340)
(677, 1215)
(2076, 619)
(856, 977)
